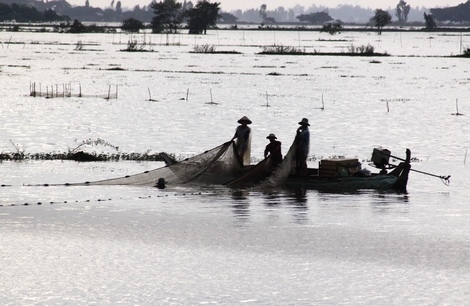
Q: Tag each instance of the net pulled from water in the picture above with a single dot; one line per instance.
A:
(264, 175)
(216, 166)
(280, 174)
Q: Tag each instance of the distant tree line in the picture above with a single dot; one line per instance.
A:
(169, 15)
(346, 13)
(456, 14)
(26, 13)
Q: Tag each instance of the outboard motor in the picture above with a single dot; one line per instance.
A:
(380, 158)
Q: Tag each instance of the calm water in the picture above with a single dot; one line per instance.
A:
(126, 245)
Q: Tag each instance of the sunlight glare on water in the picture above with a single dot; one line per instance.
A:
(191, 245)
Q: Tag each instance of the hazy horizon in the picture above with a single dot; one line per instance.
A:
(230, 5)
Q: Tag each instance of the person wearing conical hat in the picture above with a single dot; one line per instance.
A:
(273, 150)
(303, 146)
(243, 140)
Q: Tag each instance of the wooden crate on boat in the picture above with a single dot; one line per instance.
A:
(338, 167)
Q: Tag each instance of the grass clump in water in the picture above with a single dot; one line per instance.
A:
(78, 153)
(466, 52)
(204, 48)
(281, 49)
(210, 49)
(363, 49)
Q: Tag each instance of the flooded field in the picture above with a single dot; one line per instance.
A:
(186, 245)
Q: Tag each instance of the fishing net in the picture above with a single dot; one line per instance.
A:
(219, 166)
(280, 174)
(264, 175)
(253, 175)
(216, 166)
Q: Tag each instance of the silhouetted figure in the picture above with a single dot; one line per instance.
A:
(273, 149)
(303, 146)
(243, 140)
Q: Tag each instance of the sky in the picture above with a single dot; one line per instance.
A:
(229, 5)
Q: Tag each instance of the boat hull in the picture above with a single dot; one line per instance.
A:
(397, 180)
(343, 183)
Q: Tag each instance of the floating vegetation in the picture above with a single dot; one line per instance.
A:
(80, 156)
(78, 153)
(281, 49)
(133, 46)
(264, 66)
(352, 51)
(211, 49)
(19, 66)
(115, 69)
(363, 49)
(333, 40)
(351, 76)
(204, 48)
(466, 52)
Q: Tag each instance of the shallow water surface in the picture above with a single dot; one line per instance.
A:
(186, 245)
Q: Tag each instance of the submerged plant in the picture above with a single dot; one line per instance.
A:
(281, 49)
(363, 49)
(78, 154)
(79, 45)
(133, 46)
(204, 48)
(466, 52)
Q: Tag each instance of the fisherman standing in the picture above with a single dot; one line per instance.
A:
(243, 140)
(303, 146)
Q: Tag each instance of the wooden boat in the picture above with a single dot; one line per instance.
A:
(342, 179)
(333, 174)
(222, 166)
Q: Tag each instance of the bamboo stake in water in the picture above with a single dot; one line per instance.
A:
(267, 102)
(187, 94)
(457, 108)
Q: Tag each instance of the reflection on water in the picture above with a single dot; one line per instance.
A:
(356, 246)
(300, 196)
(272, 199)
(298, 202)
(241, 204)
(384, 200)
